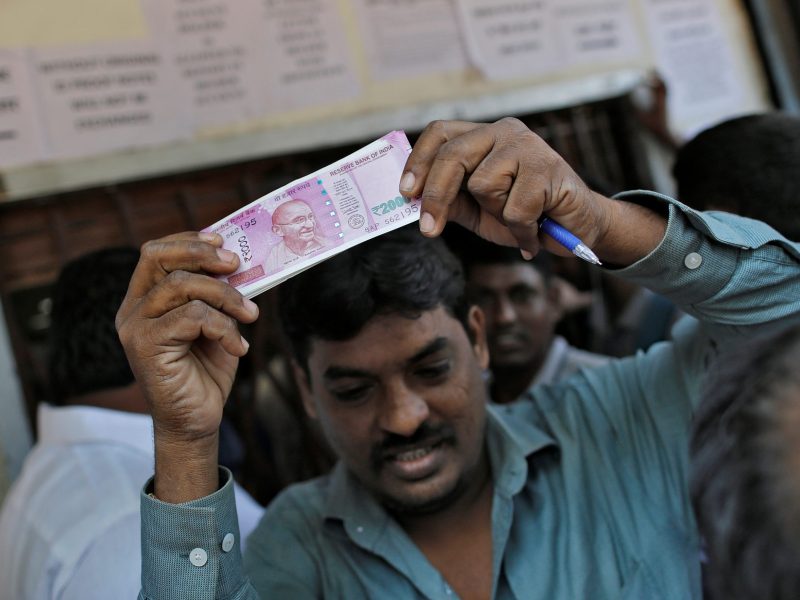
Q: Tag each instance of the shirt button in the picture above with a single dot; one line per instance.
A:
(227, 542)
(198, 557)
(360, 529)
(693, 260)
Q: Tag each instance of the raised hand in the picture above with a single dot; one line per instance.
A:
(179, 328)
(499, 179)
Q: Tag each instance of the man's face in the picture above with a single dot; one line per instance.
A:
(295, 221)
(403, 405)
(521, 312)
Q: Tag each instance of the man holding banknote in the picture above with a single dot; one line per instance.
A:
(576, 491)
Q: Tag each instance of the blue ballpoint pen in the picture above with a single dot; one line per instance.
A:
(569, 241)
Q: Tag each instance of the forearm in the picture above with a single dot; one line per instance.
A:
(721, 268)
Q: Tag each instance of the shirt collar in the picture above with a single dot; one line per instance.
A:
(512, 438)
(81, 424)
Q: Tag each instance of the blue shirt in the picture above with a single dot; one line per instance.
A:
(590, 475)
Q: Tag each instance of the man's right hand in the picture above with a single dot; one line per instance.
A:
(179, 328)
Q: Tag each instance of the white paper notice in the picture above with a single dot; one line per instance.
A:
(694, 58)
(213, 45)
(306, 57)
(407, 38)
(509, 39)
(105, 97)
(597, 32)
(20, 135)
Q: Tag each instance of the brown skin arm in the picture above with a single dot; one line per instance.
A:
(179, 328)
(498, 179)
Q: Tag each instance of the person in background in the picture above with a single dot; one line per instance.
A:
(625, 317)
(521, 305)
(745, 470)
(748, 166)
(69, 528)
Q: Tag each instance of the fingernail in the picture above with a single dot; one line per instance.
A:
(225, 255)
(245, 344)
(426, 223)
(251, 306)
(207, 236)
(407, 182)
(525, 254)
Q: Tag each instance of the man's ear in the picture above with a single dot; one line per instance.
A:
(476, 323)
(277, 230)
(304, 387)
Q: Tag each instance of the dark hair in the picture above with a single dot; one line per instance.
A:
(744, 484)
(399, 272)
(85, 352)
(749, 166)
(474, 250)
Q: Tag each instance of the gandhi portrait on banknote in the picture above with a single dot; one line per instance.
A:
(295, 223)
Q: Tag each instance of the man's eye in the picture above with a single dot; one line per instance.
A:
(353, 394)
(522, 296)
(434, 371)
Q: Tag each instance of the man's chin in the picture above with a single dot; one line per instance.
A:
(509, 361)
(427, 498)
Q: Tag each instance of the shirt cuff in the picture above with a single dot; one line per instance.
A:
(688, 266)
(191, 550)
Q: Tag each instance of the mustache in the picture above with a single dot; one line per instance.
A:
(517, 331)
(425, 435)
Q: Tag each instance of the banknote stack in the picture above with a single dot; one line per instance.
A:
(316, 217)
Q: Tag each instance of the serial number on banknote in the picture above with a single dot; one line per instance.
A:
(394, 218)
(241, 227)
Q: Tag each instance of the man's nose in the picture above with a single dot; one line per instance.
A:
(402, 410)
(504, 312)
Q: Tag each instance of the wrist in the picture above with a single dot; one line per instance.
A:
(185, 469)
(605, 209)
(629, 233)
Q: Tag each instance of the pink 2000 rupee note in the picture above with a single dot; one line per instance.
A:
(316, 217)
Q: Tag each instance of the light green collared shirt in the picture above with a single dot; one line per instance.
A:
(590, 475)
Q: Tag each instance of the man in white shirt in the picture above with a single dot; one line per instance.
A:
(69, 527)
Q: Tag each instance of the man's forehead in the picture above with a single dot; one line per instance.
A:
(294, 208)
(505, 275)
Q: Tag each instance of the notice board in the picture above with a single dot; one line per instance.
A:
(97, 91)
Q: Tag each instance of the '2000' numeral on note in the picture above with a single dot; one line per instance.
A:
(385, 208)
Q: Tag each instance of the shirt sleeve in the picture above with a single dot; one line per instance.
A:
(732, 273)
(192, 550)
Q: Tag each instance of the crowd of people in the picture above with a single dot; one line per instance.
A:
(477, 451)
